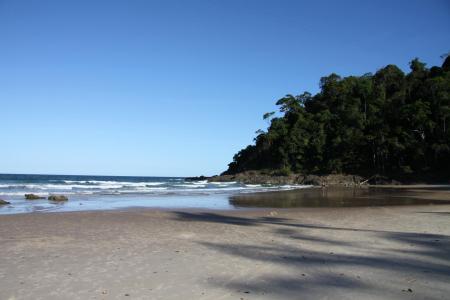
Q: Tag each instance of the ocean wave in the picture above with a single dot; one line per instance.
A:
(190, 185)
(11, 186)
(152, 189)
(45, 194)
(237, 188)
(109, 185)
(294, 186)
(21, 194)
(147, 191)
(111, 182)
(200, 182)
(117, 187)
(70, 187)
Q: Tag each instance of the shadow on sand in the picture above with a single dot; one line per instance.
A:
(362, 261)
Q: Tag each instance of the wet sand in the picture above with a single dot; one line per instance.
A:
(387, 252)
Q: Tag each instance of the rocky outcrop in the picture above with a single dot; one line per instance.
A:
(58, 198)
(3, 202)
(255, 177)
(196, 178)
(33, 197)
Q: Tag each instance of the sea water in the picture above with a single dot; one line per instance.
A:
(114, 192)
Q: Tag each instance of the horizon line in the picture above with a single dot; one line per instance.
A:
(41, 174)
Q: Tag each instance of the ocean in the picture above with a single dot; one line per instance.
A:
(113, 192)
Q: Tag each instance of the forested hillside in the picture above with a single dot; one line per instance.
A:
(387, 123)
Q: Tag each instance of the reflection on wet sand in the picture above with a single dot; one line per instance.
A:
(346, 197)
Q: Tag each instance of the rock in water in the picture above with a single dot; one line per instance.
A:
(3, 202)
(196, 178)
(32, 197)
(57, 198)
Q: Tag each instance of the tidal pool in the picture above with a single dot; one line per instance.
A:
(346, 197)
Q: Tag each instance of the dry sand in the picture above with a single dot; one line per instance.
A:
(304, 253)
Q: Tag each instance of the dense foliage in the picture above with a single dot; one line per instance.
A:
(387, 123)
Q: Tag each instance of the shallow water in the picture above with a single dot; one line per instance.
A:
(345, 197)
(109, 202)
(106, 193)
(114, 192)
(311, 197)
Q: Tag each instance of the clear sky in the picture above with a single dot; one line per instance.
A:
(177, 87)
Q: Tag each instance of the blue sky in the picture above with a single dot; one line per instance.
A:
(175, 88)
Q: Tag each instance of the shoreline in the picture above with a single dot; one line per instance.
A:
(313, 196)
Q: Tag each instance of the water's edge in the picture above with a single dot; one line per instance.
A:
(113, 192)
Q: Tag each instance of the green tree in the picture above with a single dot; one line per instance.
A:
(388, 123)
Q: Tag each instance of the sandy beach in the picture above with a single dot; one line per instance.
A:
(398, 252)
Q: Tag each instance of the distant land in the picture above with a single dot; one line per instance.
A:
(387, 125)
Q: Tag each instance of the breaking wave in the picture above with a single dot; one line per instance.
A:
(43, 185)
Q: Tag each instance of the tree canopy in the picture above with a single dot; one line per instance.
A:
(388, 123)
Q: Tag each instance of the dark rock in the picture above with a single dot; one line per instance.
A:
(33, 197)
(3, 202)
(196, 178)
(268, 177)
(58, 198)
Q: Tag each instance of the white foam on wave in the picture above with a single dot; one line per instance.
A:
(20, 194)
(191, 185)
(200, 182)
(45, 194)
(223, 182)
(155, 183)
(68, 187)
(294, 186)
(135, 191)
(206, 190)
(110, 187)
(154, 188)
(111, 182)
